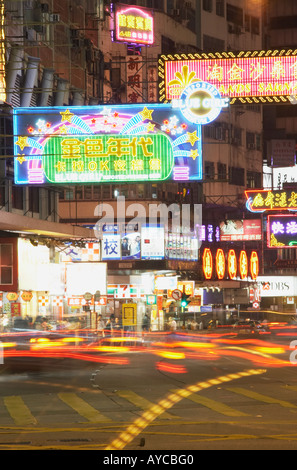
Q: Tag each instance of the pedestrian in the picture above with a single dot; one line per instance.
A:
(100, 326)
(117, 324)
(172, 324)
(146, 323)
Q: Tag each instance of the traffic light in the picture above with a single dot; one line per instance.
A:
(184, 300)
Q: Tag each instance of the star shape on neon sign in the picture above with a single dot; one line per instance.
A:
(192, 137)
(194, 154)
(22, 142)
(146, 114)
(21, 158)
(67, 116)
(150, 127)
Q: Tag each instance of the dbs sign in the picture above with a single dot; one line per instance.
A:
(229, 265)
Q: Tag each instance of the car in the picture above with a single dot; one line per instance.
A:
(249, 328)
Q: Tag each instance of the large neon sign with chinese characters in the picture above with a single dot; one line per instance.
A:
(133, 25)
(225, 265)
(282, 231)
(111, 143)
(244, 77)
(268, 200)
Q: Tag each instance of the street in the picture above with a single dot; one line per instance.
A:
(178, 392)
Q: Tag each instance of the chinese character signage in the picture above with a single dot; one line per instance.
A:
(111, 247)
(282, 231)
(244, 77)
(134, 79)
(111, 143)
(266, 200)
(282, 152)
(133, 25)
(241, 230)
(222, 265)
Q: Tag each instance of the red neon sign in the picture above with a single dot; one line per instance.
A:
(232, 264)
(243, 264)
(254, 265)
(207, 263)
(134, 25)
(247, 76)
(220, 263)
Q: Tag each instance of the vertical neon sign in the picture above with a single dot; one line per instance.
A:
(2, 54)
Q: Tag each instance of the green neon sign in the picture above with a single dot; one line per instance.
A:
(107, 158)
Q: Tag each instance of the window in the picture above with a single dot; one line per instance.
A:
(69, 194)
(250, 140)
(222, 171)
(254, 180)
(236, 176)
(34, 199)
(209, 170)
(235, 15)
(207, 5)
(6, 261)
(17, 198)
(220, 7)
(255, 25)
(87, 192)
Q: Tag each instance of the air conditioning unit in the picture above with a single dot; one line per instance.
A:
(54, 18)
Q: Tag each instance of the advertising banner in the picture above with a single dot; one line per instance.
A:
(241, 230)
(106, 144)
(245, 77)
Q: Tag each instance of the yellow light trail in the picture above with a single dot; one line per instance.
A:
(165, 404)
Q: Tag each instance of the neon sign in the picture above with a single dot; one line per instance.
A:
(220, 264)
(134, 25)
(243, 265)
(232, 264)
(254, 265)
(207, 263)
(107, 158)
(269, 200)
(244, 77)
(200, 102)
(90, 144)
(232, 267)
(282, 231)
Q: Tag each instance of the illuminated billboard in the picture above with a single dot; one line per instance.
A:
(282, 231)
(245, 77)
(104, 144)
(241, 230)
(133, 25)
(222, 265)
(263, 200)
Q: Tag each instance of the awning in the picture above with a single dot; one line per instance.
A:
(11, 222)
